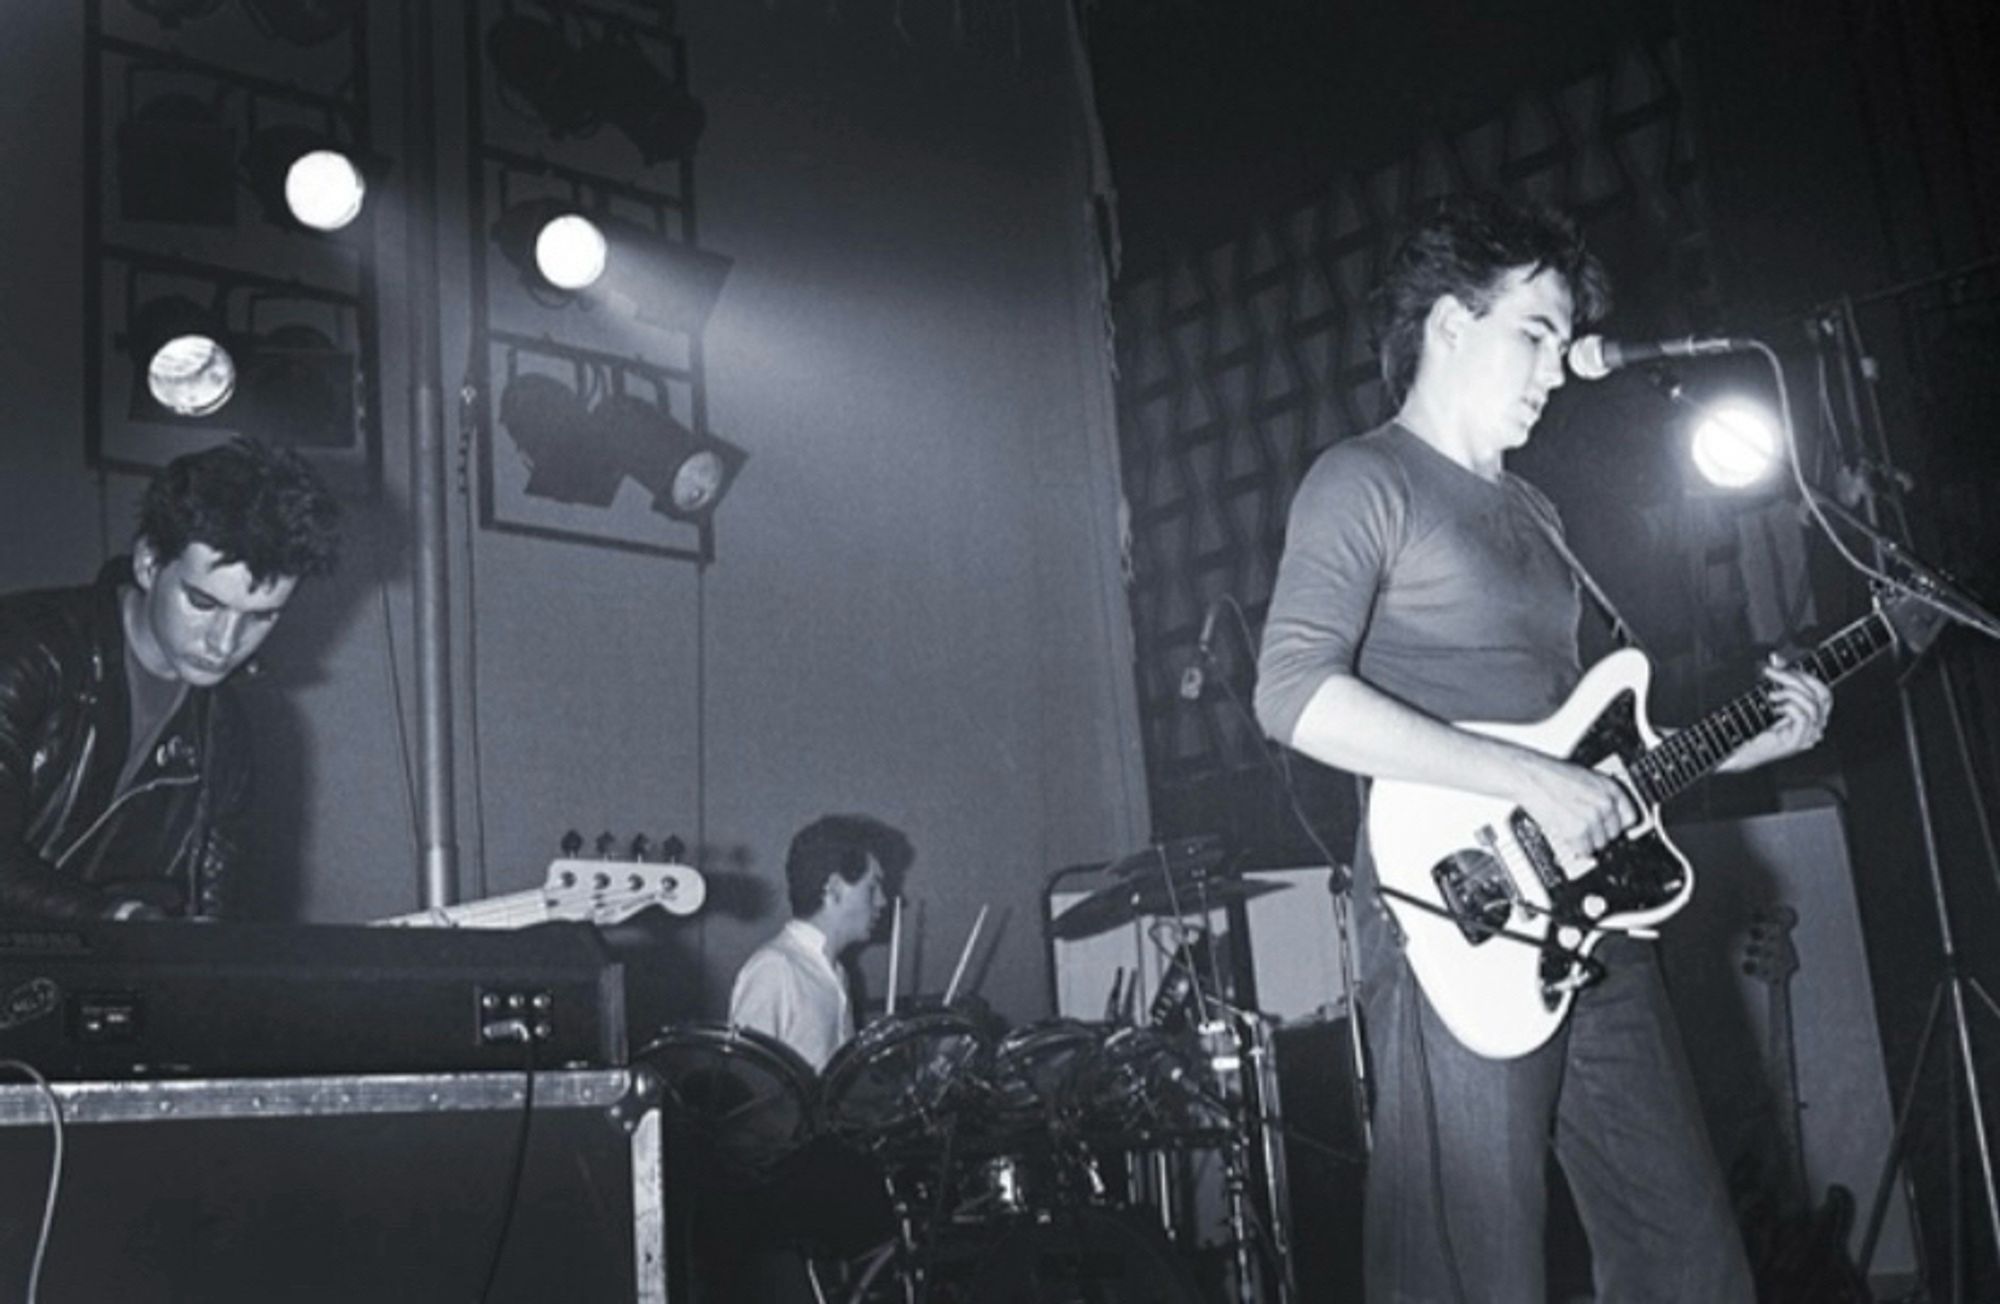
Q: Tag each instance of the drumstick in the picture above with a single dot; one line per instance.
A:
(963, 956)
(895, 948)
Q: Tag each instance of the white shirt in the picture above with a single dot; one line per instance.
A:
(791, 989)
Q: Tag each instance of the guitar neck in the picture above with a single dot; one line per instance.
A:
(1781, 1052)
(514, 910)
(1670, 768)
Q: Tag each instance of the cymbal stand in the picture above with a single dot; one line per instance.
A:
(1260, 1112)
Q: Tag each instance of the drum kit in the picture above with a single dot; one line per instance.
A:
(1055, 1144)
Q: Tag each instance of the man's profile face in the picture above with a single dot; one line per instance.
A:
(856, 907)
(1508, 359)
(200, 617)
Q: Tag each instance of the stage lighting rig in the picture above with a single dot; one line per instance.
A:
(292, 382)
(567, 254)
(181, 157)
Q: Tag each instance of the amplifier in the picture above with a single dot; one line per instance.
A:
(123, 1000)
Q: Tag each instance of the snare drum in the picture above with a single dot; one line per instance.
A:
(900, 1077)
(743, 1093)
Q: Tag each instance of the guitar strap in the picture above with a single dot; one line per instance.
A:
(1621, 630)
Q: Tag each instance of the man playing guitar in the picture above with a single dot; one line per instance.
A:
(1422, 583)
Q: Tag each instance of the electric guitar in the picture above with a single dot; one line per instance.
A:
(600, 892)
(1498, 925)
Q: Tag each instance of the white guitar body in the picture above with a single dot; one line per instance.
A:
(1498, 927)
(1495, 995)
(600, 892)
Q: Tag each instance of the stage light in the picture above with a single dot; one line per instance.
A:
(572, 90)
(297, 387)
(570, 251)
(567, 462)
(324, 190)
(1735, 444)
(302, 177)
(182, 367)
(303, 22)
(562, 255)
(687, 474)
(177, 163)
(538, 66)
(659, 116)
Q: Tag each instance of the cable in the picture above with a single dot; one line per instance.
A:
(519, 1030)
(55, 1172)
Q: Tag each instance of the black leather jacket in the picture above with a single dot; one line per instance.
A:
(71, 846)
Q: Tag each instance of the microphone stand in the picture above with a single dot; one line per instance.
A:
(1936, 590)
(1839, 328)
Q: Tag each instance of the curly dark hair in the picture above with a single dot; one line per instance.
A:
(264, 507)
(842, 844)
(1464, 246)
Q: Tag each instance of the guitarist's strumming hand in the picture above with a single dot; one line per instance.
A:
(1577, 809)
(1803, 704)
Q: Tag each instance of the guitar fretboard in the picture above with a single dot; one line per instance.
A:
(1666, 770)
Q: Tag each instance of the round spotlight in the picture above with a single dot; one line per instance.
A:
(192, 375)
(324, 190)
(698, 482)
(1735, 445)
(570, 252)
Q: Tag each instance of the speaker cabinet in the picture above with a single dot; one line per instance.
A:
(1797, 859)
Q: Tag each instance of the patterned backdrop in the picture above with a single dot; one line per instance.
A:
(1238, 363)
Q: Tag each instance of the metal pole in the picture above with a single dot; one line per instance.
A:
(427, 467)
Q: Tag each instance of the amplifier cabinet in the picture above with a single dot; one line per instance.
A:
(336, 1189)
(97, 1001)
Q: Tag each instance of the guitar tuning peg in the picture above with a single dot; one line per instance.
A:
(642, 847)
(606, 844)
(572, 842)
(673, 849)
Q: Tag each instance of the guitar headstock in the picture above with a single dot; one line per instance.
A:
(1768, 953)
(1916, 622)
(610, 891)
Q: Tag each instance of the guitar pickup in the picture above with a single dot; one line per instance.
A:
(1475, 890)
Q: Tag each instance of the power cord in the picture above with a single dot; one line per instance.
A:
(518, 1030)
(55, 1172)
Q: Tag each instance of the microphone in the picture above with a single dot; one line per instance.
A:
(1195, 677)
(1592, 357)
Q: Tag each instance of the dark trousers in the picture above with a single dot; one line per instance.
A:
(1458, 1176)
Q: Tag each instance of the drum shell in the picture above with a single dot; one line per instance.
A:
(901, 1078)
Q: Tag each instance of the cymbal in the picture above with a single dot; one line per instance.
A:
(1177, 893)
